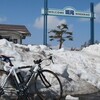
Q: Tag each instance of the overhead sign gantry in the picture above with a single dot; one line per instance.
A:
(68, 12)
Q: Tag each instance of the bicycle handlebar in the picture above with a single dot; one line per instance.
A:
(7, 59)
(51, 59)
(40, 60)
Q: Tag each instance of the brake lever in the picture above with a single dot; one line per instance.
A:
(37, 61)
(51, 59)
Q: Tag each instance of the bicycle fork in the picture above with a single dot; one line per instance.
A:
(44, 80)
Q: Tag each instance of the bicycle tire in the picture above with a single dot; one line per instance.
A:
(54, 92)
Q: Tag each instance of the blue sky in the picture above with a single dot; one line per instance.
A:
(28, 13)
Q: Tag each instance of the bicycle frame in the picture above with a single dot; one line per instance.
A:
(12, 70)
(34, 72)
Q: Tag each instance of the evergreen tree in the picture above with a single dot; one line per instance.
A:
(61, 34)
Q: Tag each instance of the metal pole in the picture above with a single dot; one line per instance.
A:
(92, 23)
(45, 22)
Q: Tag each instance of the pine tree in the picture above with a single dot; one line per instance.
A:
(61, 34)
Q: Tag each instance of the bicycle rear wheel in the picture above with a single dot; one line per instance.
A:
(48, 85)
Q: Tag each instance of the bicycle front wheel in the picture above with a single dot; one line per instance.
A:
(48, 85)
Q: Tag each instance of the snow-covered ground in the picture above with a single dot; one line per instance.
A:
(79, 71)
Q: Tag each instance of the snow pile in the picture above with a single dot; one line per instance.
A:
(79, 71)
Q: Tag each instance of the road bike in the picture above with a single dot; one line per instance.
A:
(39, 84)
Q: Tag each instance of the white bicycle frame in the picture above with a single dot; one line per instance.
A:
(12, 70)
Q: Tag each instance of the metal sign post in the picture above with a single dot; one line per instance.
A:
(45, 22)
(92, 23)
(69, 12)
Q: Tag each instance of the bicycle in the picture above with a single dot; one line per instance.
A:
(46, 83)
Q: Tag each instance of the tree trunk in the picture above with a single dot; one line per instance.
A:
(60, 45)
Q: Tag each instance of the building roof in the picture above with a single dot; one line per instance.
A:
(19, 28)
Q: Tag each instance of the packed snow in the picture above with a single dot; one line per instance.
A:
(79, 71)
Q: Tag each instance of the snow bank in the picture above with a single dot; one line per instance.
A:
(78, 71)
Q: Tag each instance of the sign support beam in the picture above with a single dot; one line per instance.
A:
(45, 22)
(92, 24)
